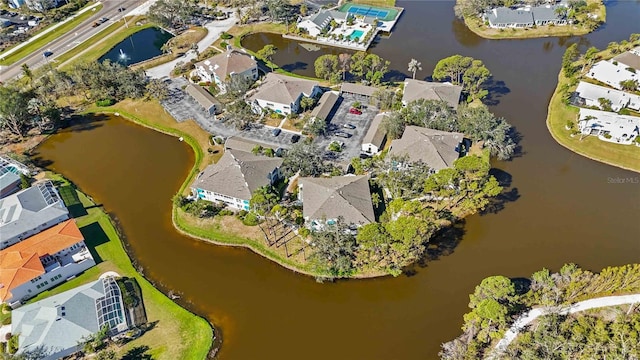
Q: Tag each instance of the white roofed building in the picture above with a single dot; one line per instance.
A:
(611, 74)
(608, 126)
(590, 95)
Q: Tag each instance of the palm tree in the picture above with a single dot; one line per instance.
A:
(414, 65)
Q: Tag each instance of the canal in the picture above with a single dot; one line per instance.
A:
(564, 208)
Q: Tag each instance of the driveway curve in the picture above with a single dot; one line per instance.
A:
(533, 314)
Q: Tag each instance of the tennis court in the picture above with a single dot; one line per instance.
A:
(371, 11)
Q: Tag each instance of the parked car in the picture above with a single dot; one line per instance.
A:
(343, 134)
(349, 126)
(276, 132)
(295, 138)
(355, 111)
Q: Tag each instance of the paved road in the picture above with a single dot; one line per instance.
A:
(531, 315)
(76, 36)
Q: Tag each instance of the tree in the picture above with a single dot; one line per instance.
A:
(305, 158)
(326, 67)
(386, 99)
(106, 355)
(157, 89)
(369, 66)
(307, 102)
(452, 68)
(481, 125)
(14, 114)
(590, 56)
(474, 78)
(344, 62)
(266, 54)
(25, 181)
(304, 9)
(334, 248)
(171, 13)
(316, 126)
(263, 200)
(414, 65)
(393, 124)
(569, 57)
(629, 85)
(605, 104)
(26, 72)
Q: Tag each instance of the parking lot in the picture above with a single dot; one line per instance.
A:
(182, 107)
(342, 117)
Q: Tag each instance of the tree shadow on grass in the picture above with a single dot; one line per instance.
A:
(442, 243)
(93, 237)
(137, 353)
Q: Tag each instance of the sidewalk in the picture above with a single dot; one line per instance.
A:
(214, 30)
(47, 30)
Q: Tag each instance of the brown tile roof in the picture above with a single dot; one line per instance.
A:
(330, 198)
(283, 89)
(435, 148)
(21, 262)
(228, 62)
(417, 89)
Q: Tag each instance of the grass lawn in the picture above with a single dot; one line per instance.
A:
(476, 25)
(624, 156)
(178, 334)
(49, 37)
(100, 43)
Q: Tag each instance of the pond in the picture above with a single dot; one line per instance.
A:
(560, 207)
(141, 46)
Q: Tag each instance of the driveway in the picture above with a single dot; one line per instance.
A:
(214, 29)
(336, 124)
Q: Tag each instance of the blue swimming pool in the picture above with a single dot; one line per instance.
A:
(356, 34)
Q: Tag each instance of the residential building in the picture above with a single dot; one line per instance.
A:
(590, 95)
(282, 94)
(235, 177)
(524, 17)
(243, 144)
(358, 91)
(325, 107)
(15, 3)
(418, 89)
(221, 67)
(203, 98)
(608, 126)
(42, 261)
(10, 171)
(324, 200)
(318, 22)
(611, 73)
(437, 149)
(629, 59)
(30, 211)
(62, 322)
(373, 141)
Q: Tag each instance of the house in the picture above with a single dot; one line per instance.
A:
(611, 73)
(282, 94)
(243, 144)
(317, 23)
(608, 126)
(358, 91)
(219, 68)
(9, 181)
(15, 3)
(525, 17)
(202, 96)
(590, 95)
(418, 89)
(373, 141)
(235, 177)
(437, 149)
(325, 106)
(324, 200)
(30, 211)
(42, 261)
(629, 59)
(61, 323)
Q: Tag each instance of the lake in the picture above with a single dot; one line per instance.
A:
(141, 46)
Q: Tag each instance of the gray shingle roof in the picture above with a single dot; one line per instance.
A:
(61, 321)
(358, 89)
(435, 148)
(237, 174)
(322, 18)
(28, 209)
(201, 95)
(545, 13)
(228, 62)
(503, 15)
(375, 134)
(8, 180)
(630, 59)
(330, 198)
(283, 89)
(325, 105)
(243, 144)
(418, 89)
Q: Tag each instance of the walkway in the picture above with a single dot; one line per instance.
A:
(214, 30)
(533, 314)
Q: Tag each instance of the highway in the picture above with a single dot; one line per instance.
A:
(74, 37)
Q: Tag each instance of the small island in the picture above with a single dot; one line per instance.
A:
(595, 109)
(513, 19)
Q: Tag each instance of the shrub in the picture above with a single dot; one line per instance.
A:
(224, 44)
(624, 111)
(225, 212)
(3, 347)
(607, 136)
(12, 344)
(304, 232)
(569, 124)
(251, 219)
(105, 102)
(226, 36)
(356, 105)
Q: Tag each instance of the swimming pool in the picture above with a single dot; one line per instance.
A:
(356, 34)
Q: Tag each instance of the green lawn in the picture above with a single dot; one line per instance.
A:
(178, 334)
(46, 39)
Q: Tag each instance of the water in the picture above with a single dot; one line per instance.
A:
(141, 46)
(566, 210)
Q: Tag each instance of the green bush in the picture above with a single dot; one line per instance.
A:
(607, 136)
(3, 347)
(251, 219)
(224, 44)
(226, 36)
(624, 111)
(105, 102)
(12, 344)
(225, 212)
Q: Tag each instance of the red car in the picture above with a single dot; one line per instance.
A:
(355, 111)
